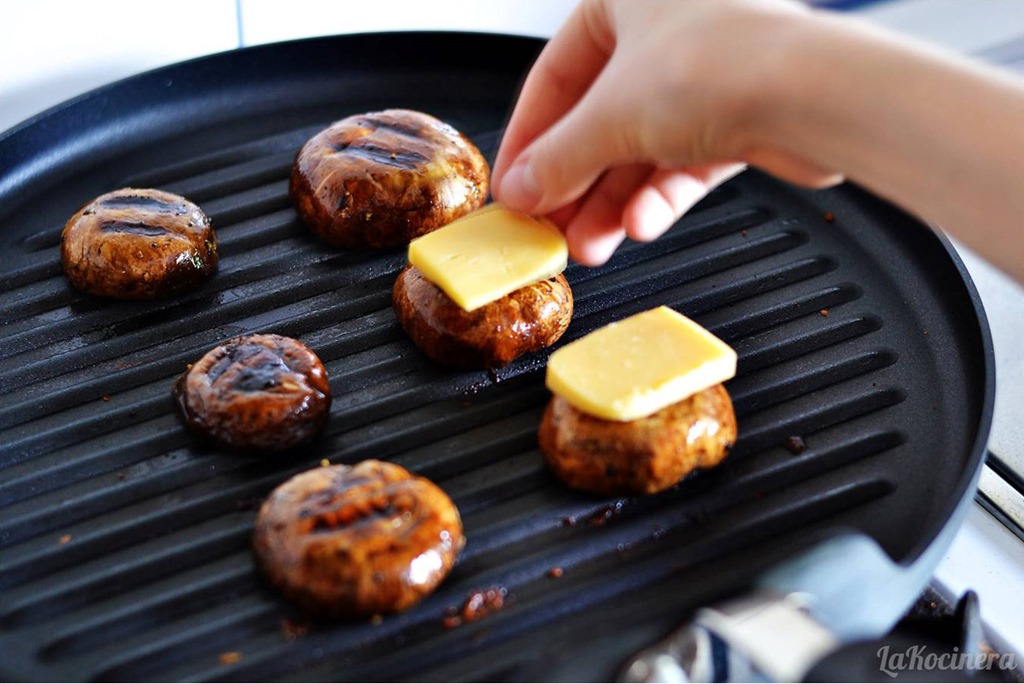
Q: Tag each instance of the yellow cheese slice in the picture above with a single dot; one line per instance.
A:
(489, 253)
(640, 365)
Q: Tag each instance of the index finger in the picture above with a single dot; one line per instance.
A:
(565, 70)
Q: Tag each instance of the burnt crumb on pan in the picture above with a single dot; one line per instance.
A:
(829, 217)
(105, 397)
(479, 604)
(824, 313)
(380, 179)
(607, 513)
(138, 244)
(293, 629)
(526, 320)
(357, 541)
(555, 572)
(65, 538)
(229, 657)
(256, 393)
(795, 445)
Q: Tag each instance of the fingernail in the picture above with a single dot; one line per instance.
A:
(519, 188)
(601, 250)
(595, 250)
(651, 213)
(657, 216)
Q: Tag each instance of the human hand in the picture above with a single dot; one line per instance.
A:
(637, 108)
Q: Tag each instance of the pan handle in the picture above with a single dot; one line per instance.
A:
(760, 637)
(844, 589)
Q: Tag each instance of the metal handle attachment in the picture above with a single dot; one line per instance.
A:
(763, 636)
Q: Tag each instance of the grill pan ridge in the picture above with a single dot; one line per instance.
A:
(124, 544)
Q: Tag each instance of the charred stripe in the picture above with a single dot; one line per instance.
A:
(403, 159)
(132, 227)
(142, 202)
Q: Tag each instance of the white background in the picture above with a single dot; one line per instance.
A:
(51, 50)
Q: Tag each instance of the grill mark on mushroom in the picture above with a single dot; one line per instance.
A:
(257, 368)
(354, 516)
(142, 202)
(233, 353)
(133, 227)
(259, 378)
(399, 127)
(401, 159)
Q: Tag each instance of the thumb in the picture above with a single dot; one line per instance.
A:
(561, 164)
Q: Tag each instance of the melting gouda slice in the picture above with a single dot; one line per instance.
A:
(489, 253)
(640, 365)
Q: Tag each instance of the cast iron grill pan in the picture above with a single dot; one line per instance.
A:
(125, 544)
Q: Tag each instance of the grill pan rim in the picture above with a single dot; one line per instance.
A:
(968, 482)
(979, 449)
(170, 69)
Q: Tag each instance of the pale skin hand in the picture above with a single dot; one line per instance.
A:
(636, 108)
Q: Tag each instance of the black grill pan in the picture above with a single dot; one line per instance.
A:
(125, 545)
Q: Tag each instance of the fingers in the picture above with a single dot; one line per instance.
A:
(668, 194)
(564, 71)
(638, 201)
(596, 231)
(563, 216)
(567, 159)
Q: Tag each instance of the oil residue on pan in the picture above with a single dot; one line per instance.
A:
(126, 544)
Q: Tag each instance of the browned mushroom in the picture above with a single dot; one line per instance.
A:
(138, 244)
(357, 540)
(380, 179)
(528, 319)
(256, 393)
(641, 456)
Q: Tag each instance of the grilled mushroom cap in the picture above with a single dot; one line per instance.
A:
(138, 244)
(357, 540)
(383, 178)
(527, 320)
(641, 456)
(256, 393)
